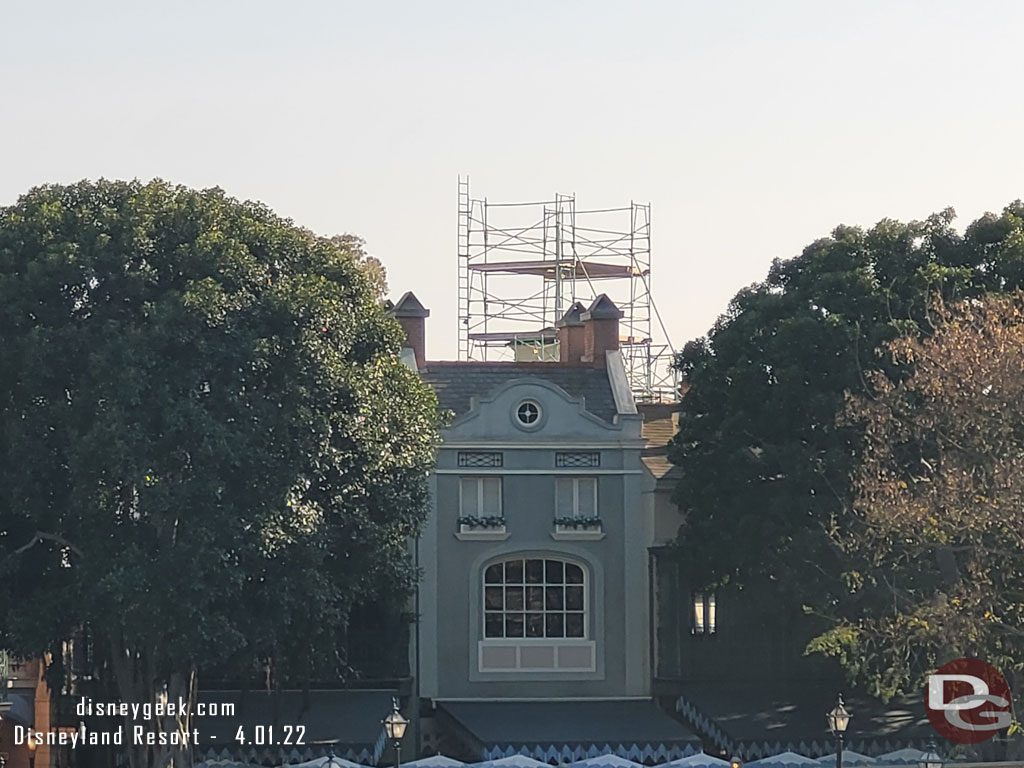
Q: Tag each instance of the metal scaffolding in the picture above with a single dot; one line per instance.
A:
(522, 265)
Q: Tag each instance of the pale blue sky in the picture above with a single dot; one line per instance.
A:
(752, 127)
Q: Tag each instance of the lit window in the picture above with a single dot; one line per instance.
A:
(703, 613)
(535, 598)
(576, 497)
(528, 413)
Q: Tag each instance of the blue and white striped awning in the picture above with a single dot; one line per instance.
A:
(605, 761)
(700, 760)
(851, 759)
(434, 761)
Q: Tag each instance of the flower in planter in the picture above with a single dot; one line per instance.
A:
(578, 522)
(495, 521)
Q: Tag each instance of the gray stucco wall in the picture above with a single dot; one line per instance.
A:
(451, 592)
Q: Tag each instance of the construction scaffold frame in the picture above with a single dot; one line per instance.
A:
(523, 265)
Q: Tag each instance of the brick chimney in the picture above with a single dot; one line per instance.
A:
(600, 330)
(570, 335)
(412, 316)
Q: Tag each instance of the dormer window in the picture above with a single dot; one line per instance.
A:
(528, 414)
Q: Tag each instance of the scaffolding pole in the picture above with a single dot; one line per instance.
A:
(522, 265)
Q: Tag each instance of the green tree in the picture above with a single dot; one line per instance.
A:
(765, 466)
(935, 536)
(210, 453)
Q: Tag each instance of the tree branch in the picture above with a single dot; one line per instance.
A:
(41, 536)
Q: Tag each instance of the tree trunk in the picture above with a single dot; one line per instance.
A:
(139, 683)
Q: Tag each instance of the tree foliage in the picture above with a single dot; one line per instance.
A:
(210, 453)
(936, 534)
(765, 466)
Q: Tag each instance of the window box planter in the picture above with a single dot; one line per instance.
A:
(567, 528)
(482, 529)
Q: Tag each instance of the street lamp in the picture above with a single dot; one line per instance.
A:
(394, 727)
(838, 722)
(32, 753)
(735, 763)
(930, 759)
(331, 759)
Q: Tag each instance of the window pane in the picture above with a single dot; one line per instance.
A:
(514, 572)
(555, 625)
(492, 598)
(494, 623)
(573, 574)
(513, 625)
(534, 571)
(588, 492)
(574, 625)
(563, 497)
(574, 598)
(513, 598)
(553, 569)
(554, 601)
(535, 625)
(493, 574)
(492, 497)
(470, 501)
(535, 598)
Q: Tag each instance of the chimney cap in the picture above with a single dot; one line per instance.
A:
(572, 317)
(409, 306)
(603, 308)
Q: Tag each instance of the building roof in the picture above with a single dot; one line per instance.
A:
(409, 306)
(661, 422)
(636, 729)
(756, 720)
(349, 721)
(457, 382)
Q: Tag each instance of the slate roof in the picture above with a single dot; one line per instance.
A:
(348, 717)
(456, 382)
(756, 719)
(497, 723)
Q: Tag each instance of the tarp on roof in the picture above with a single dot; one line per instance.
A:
(568, 731)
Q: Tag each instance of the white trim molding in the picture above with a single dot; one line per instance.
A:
(465, 533)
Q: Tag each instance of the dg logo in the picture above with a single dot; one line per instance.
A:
(968, 701)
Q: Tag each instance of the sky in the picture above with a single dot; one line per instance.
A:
(752, 127)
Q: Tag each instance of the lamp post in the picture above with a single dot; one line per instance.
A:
(930, 759)
(394, 727)
(32, 753)
(331, 759)
(838, 722)
(735, 763)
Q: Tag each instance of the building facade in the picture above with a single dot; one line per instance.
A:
(536, 580)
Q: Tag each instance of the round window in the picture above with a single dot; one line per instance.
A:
(528, 413)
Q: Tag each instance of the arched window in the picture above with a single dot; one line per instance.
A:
(526, 597)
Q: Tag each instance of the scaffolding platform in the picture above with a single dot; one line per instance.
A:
(504, 310)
